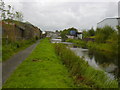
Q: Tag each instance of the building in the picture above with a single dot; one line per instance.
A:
(74, 35)
(49, 33)
(113, 22)
(52, 34)
(79, 35)
(119, 9)
(70, 37)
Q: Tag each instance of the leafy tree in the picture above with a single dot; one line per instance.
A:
(56, 31)
(85, 34)
(19, 16)
(2, 9)
(9, 13)
(63, 34)
(91, 32)
(67, 32)
(102, 34)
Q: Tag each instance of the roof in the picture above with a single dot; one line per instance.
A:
(108, 18)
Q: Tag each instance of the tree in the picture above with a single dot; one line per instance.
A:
(85, 34)
(9, 13)
(67, 32)
(19, 16)
(2, 10)
(91, 32)
(56, 31)
(102, 34)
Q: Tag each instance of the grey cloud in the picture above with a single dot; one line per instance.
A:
(61, 15)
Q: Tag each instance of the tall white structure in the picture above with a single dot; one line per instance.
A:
(119, 9)
(113, 22)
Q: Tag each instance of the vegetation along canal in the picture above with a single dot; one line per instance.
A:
(97, 60)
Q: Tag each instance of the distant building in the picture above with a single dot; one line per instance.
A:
(74, 35)
(52, 34)
(49, 33)
(113, 22)
(73, 32)
(70, 37)
(79, 35)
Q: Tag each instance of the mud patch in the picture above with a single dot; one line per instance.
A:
(36, 60)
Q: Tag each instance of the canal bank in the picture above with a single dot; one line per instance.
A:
(98, 55)
(56, 66)
(84, 74)
(42, 69)
(99, 61)
(96, 67)
(11, 64)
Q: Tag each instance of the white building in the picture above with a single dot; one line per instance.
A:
(119, 9)
(113, 22)
(70, 37)
(79, 35)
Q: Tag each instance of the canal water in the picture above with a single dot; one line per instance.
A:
(98, 60)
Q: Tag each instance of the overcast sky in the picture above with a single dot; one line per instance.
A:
(51, 15)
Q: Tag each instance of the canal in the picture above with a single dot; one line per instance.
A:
(98, 60)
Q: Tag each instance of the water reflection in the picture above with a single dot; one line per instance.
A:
(99, 60)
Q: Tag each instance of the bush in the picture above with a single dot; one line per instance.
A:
(102, 34)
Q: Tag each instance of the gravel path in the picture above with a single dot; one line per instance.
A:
(11, 64)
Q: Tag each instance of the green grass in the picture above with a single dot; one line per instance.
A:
(83, 74)
(100, 47)
(106, 47)
(12, 48)
(78, 43)
(42, 69)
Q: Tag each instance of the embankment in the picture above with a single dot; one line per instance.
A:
(82, 73)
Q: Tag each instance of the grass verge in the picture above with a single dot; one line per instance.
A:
(83, 74)
(42, 69)
(106, 47)
(78, 43)
(12, 48)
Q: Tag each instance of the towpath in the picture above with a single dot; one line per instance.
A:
(11, 64)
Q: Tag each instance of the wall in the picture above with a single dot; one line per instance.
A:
(79, 36)
(18, 31)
